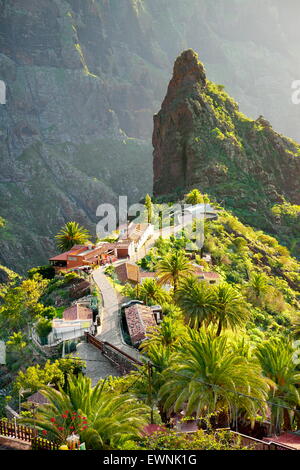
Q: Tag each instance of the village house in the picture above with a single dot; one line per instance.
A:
(130, 241)
(136, 235)
(140, 321)
(128, 273)
(209, 276)
(76, 320)
(84, 255)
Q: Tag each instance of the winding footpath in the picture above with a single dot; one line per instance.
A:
(98, 366)
(110, 327)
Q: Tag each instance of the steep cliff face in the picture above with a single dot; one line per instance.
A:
(62, 148)
(84, 78)
(202, 140)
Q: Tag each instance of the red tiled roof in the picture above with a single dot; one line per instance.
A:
(146, 274)
(207, 275)
(134, 232)
(64, 256)
(139, 320)
(127, 272)
(84, 251)
(77, 312)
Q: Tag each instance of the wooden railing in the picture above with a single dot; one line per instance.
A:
(17, 431)
(257, 444)
(26, 434)
(39, 443)
(120, 358)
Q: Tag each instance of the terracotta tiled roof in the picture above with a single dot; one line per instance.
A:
(146, 274)
(134, 232)
(207, 276)
(128, 272)
(84, 251)
(140, 320)
(64, 256)
(77, 312)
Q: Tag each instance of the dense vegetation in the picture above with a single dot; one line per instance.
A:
(224, 354)
(199, 364)
(202, 139)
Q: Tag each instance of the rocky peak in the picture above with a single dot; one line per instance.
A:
(201, 139)
(188, 70)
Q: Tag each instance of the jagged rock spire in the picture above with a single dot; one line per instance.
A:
(188, 68)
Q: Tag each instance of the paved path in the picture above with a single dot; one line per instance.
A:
(97, 366)
(110, 328)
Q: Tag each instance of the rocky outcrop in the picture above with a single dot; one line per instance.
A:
(84, 78)
(62, 148)
(202, 140)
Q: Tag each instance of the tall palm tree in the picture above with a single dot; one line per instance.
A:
(107, 419)
(277, 360)
(71, 234)
(196, 300)
(169, 333)
(152, 293)
(258, 286)
(151, 379)
(206, 375)
(230, 309)
(174, 267)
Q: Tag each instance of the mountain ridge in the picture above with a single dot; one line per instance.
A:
(202, 140)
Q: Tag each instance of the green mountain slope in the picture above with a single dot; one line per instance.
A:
(82, 73)
(201, 139)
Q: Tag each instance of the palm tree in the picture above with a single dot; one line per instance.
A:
(230, 309)
(169, 333)
(258, 286)
(276, 357)
(296, 325)
(152, 293)
(206, 375)
(197, 301)
(151, 378)
(172, 311)
(174, 267)
(71, 234)
(107, 420)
